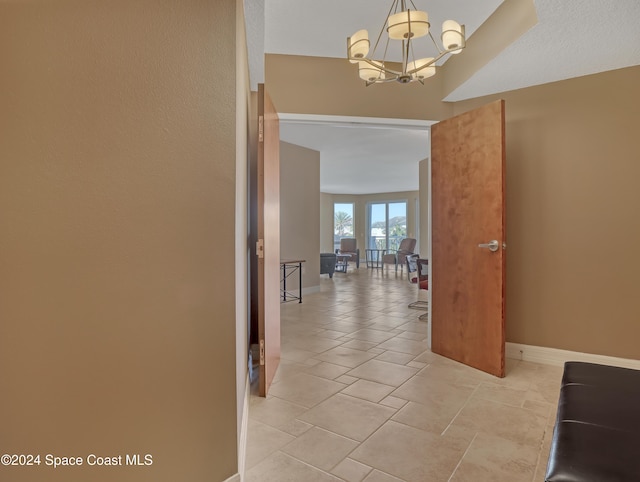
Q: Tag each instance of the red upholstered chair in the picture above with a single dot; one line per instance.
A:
(422, 280)
(412, 267)
(423, 274)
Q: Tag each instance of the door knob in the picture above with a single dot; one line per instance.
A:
(493, 245)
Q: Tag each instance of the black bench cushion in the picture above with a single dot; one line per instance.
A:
(583, 452)
(603, 376)
(597, 431)
(616, 409)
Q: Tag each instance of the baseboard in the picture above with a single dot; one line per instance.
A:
(244, 428)
(555, 356)
(305, 291)
(311, 289)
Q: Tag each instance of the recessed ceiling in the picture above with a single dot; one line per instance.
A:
(361, 156)
(571, 39)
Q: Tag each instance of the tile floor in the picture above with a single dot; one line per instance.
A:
(359, 397)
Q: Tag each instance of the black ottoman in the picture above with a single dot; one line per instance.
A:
(327, 263)
(597, 431)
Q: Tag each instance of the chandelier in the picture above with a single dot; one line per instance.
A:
(406, 25)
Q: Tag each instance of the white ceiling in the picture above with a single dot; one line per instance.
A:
(359, 156)
(321, 28)
(572, 38)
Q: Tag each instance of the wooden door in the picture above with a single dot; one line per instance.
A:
(268, 246)
(468, 209)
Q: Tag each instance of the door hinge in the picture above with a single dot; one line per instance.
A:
(260, 248)
(261, 128)
(261, 352)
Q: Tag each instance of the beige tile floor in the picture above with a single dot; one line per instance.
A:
(359, 397)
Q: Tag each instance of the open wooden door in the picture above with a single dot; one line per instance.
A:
(468, 240)
(268, 245)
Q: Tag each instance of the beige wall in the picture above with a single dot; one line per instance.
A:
(573, 258)
(242, 252)
(572, 166)
(360, 219)
(117, 162)
(300, 211)
(326, 222)
(301, 85)
(425, 212)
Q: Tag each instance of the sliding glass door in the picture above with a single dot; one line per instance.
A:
(387, 224)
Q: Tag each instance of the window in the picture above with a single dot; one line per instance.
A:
(342, 223)
(387, 225)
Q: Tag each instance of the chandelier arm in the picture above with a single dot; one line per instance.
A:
(435, 43)
(379, 66)
(393, 5)
(395, 73)
(378, 81)
(413, 71)
(413, 54)
(405, 55)
(386, 48)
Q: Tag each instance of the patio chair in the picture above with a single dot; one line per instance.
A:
(350, 246)
(407, 245)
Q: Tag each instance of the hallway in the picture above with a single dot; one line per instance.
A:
(359, 397)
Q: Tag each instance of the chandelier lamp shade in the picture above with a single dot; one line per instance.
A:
(404, 25)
